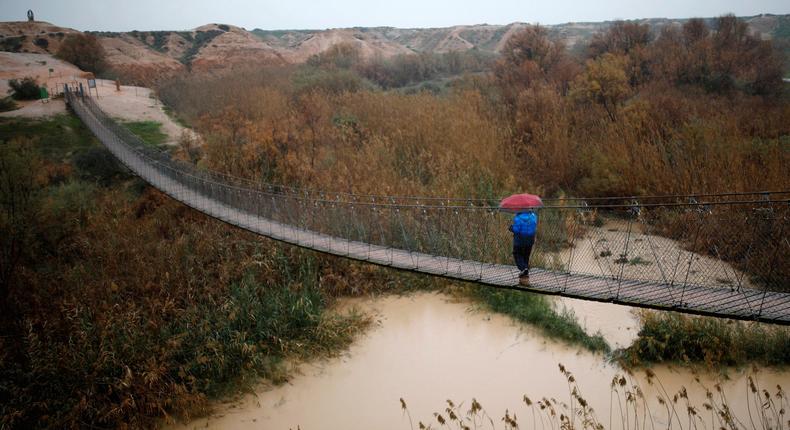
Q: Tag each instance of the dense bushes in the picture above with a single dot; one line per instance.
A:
(25, 89)
(404, 69)
(41, 42)
(665, 115)
(19, 205)
(98, 164)
(638, 116)
(333, 81)
(407, 69)
(631, 119)
(84, 51)
(120, 308)
(668, 337)
(689, 111)
(364, 141)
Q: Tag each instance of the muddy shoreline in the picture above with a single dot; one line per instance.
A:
(428, 347)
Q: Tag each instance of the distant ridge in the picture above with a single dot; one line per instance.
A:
(221, 45)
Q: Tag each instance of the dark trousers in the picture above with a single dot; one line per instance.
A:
(522, 248)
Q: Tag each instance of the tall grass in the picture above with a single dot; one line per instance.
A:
(149, 132)
(669, 337)
(631, 407)
(127, 307)
(538, 311)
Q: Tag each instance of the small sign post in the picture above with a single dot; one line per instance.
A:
(92, 84)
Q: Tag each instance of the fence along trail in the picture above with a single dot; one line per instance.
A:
(579, 253)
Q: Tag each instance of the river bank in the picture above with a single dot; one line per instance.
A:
(426, 348)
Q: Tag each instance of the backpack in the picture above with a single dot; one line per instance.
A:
(525, 223)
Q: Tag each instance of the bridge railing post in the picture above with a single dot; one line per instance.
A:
(634, 212)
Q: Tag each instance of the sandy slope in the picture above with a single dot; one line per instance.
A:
(652, 258)
(19, 65)
(38, 66)
(128, 104)
(137, 104)
(127, 52)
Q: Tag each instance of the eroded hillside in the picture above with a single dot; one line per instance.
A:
(141, 54)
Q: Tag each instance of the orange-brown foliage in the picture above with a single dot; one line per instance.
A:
(366, 142)
(679, 114)
(684, 112)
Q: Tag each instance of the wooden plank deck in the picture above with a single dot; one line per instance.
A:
(745, 304)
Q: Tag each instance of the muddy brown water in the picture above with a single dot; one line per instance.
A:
(427, 348)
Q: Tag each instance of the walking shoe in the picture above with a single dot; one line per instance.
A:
(523, 278)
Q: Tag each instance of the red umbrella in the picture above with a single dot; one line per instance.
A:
(520, 203)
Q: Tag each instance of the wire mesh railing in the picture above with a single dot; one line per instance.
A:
(718, 254)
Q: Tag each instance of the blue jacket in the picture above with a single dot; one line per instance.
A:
(525, 223)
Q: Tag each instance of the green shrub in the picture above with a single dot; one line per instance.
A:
(57, 138)
(537, 310)
(72, 197)
(25, 89)
(149, 131)
(41, 42)
(329, 81)
(98, 164)
(671, 337)
(12, 44)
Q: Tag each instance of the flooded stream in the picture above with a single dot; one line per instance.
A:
(427, 348)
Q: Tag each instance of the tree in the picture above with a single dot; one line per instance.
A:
(621, 38)
(695, 31)
(530, 57)
(630, 40)
(725, 60)
(19, 206)
(84, 51)
(683, 56)
(604, 81)
(343, 55)
(744, 60)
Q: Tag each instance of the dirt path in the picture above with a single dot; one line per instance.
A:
(129, 104)
(137, 104)
(649, 257)
(46, 70)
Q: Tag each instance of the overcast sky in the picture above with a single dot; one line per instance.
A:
(128, 15)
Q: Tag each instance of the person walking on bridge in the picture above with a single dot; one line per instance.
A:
(524, 228)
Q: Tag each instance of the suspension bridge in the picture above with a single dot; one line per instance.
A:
(722, 255)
